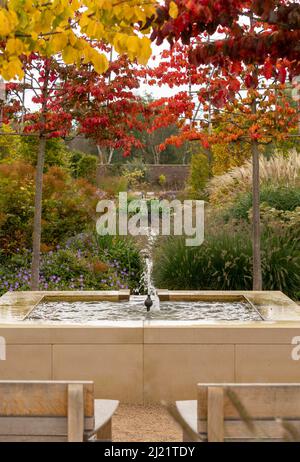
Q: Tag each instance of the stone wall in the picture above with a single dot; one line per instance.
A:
(176, 175)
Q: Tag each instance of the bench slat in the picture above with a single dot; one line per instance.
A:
(260, 401)
(32, 439)
(41, 399)
(40, 425)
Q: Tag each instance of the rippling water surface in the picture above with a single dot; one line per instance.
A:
(90, 312)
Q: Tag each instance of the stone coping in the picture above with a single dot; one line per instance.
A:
(274, 307)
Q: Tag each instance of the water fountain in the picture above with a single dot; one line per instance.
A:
(152, 299)
(158, 308)
(138, 356)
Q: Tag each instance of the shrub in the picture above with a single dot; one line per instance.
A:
(16, 205)
(87, 167)
(280, 198)
(215, 265)
(135, 173)
(278, 170)
(9, 145)
(57, 153)
(224, 262)
(68, 205)
(123, 252)
(281, 263)
(113, 185)
(281, 221)
(133, 178)
(228, 156)
(84, 165)
(199, 174)
(84, 262)
(162, 180)
(136, 164)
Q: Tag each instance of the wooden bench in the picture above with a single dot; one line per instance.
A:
(53, 411)
(243, 412)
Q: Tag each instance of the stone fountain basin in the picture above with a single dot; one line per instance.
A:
(146, 361)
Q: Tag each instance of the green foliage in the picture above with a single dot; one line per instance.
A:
(229, 156)
(133, 178)
(135, 173)
(112, 185)
(87, 166)
(16, 205)
(278, 171)
(279, 198)
(224, 262)
(124, 253)
(9, 144)
(82, 263)
(134, 165)
(162, 180)
(281, 221)
(83, 165)
(199, 174)
(57, 153)
(281, 263)
(75, 157)
(68, 205)
(215, 265)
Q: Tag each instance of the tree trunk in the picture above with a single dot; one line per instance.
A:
(111, 152)
(100, 154)
(37, 226)
(37, 223)
(256, 237)
(157, 156)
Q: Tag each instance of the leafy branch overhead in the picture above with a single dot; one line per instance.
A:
(69, 27)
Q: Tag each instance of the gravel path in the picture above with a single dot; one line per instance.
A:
(144, 423)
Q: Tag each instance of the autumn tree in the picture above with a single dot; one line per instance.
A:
(65, 29)
(106, 107)
(231, 36)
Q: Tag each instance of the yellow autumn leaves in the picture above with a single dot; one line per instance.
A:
(67, 27)
(135, 47)
(173, 10)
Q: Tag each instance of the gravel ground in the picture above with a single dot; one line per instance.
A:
(144, 423)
